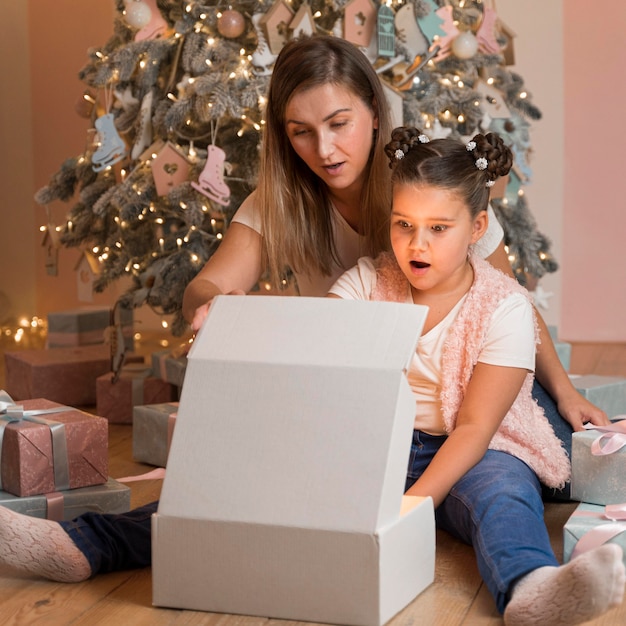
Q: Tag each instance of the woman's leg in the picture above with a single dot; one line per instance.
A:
(72, 551)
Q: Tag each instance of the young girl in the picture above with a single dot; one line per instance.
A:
(481, 446)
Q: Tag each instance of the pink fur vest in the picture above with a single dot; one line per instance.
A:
(525, 431)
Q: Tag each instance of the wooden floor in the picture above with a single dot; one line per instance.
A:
(457, 596)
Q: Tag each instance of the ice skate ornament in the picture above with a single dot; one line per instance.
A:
(111, 147)
(144, 134)
(211, 180)
(262, 57)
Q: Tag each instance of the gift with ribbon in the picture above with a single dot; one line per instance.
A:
(86, 325)
(135, 385)
(599, 463)
(111, 497)
(591, 526)
(170, 365)
(47, 447)
(153, 427)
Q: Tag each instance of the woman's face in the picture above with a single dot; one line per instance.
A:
(331, 130)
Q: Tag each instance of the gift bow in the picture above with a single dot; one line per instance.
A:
(11, 412)
(612, 439)
(599, 535)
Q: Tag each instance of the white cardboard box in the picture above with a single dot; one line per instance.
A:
(286, 473)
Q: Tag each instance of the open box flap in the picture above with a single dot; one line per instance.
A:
(308, 429)
(324, 331)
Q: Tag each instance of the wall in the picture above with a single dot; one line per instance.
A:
(539, 61)
(594, 271)
(17, 225)
(569, 58)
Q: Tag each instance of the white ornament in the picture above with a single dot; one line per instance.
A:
(438, 131)
(464, 45)
(138, 14)
(262, 57)
(540, 297)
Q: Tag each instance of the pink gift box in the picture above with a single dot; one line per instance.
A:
(50, 447)
(65, 375)
(135, 386)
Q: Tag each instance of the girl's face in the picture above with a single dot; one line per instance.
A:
(331, 130)
(431, 231)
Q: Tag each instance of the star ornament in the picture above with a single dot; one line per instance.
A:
(540, 297)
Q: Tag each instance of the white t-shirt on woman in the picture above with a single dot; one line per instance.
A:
(350, 245)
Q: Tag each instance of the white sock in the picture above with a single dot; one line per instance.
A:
(41, 547)
(581, 590)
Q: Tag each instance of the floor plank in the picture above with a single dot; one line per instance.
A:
(456, 598)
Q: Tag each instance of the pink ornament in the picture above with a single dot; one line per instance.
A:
(231, 24)
(486, 34)
(155, 27)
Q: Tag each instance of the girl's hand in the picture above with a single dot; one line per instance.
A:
(577, 410)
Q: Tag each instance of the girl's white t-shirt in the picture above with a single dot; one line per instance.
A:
(509, 342)
(350, 245)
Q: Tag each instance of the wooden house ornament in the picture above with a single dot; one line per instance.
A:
(360, 22)
(276, 23)
(87, 270)
(302, 22)
(508, 50)
(170, 168)
(51, 242)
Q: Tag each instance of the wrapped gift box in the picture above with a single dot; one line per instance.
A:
(111, 497)
(588, 519)
(596, 479)
(153, 426)
(564, 352)
(52, 451)
(606, 392)
(169, 366)
(87, 325)
(65, 375)
(115, 399)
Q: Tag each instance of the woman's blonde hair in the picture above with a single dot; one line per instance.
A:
(297, 221)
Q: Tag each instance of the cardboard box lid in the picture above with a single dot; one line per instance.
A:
(324, 331)
(295, 412)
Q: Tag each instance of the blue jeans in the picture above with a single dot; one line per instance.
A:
(496, 507)
(122, 541)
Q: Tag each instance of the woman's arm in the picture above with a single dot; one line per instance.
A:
(487, 400)
(235, 267)
(549, 370)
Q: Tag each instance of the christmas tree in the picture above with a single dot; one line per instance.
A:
(176, 96)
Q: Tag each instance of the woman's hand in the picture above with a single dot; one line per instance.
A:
(202, 311)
